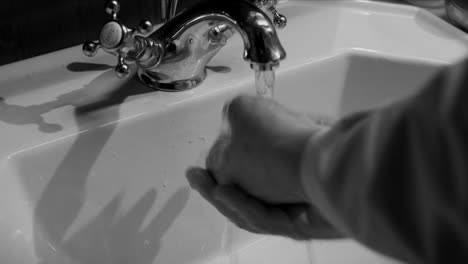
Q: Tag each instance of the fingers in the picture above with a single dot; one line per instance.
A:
(248, 212)
(201, 181)
(237, 106)
(297, 221)
(253, 213)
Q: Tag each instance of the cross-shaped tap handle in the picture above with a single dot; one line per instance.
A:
(279, 20)
(117, 39)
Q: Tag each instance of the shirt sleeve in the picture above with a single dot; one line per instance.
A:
(396, 178)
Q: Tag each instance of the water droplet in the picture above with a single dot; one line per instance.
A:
(18, 233)
(165, 183)
(52, 247)
(203, 248)
(227, 239)
(310, 254)
(190, 141)
(202, 138)
(147, 243)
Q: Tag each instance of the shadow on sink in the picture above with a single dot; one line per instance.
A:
(102, 92)
(78, 215)
(86, 66)
(372, 82)
(108, 237)
(26, 115)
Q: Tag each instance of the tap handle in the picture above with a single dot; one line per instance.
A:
(117, 39)
(112, 8)
(279, 20)
(90, 48)
(122, 69)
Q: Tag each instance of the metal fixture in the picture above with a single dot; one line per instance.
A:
(270, 6)
(174, 57)
(123, 42)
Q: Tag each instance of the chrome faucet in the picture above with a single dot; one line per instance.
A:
(174, 56)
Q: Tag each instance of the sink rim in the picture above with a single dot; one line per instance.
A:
(26, 138)
(57, 61)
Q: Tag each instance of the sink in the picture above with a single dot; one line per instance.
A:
(93, 166)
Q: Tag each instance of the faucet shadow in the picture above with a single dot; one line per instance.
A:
(94, 96)
(86, 66)
(219, 69)
(63, 198)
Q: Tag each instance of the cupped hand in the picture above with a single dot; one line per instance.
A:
(252, 173)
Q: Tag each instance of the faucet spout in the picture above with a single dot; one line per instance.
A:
(174, 57)
(262, 47)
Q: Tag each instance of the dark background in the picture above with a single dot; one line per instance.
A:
(30, 28)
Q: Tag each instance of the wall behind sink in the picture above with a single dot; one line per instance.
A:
(29, 28)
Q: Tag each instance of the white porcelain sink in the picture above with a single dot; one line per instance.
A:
(93, 167)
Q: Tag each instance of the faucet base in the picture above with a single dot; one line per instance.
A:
(154, 81)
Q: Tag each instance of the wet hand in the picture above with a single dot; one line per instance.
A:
(252, 172)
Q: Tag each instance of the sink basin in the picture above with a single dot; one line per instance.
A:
(93, 166)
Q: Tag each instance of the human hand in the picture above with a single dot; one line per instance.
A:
(252, 173)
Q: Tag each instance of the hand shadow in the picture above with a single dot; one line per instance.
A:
(64, 196)
(219, 69)
(25, 115)
(112, 239)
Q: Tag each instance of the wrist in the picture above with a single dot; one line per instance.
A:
(309, 168)
(297, 148)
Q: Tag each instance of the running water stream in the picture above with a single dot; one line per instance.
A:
(265, 83)
(265, 87)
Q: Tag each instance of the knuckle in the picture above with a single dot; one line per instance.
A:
(237, 107)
